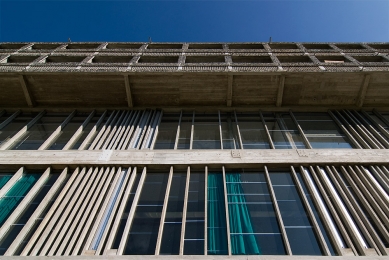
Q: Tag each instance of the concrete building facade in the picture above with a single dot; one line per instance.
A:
(210, 149)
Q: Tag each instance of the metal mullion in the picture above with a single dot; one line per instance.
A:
(163, 213)
(9, 119)
(92, 132)
(156, 130)
(305, 139)
(111, 172)
(343, 213)
(107, 130)
(367, 207)
(72, 209)
(178, 132)
(226, 211)
(9, 144)
(192, 131)
(114, 209)
(381, 117)
(58, 202)
(360, 221)
(131, 214)
(344, 129)
(50, 220)
(334, 213)
(382, 177)
(220, 130)
(129, 131)
(100, 133)
(148, 132)
(278, 212)
(78, 132)
(379, 126)
(383, 189)
(57, 132)
(24, 202)
(146, 129)
(323, 213)
(75, 220)
(361, 131)
(119, 213)
(316, 227)
(92, 212)
(206, 210)
(376, 134)
(137, 129)
(184, 212)
(118, 133)
(267, 131)
(38, 211)
(384, 204)
(238, 130)
(385, 171)
(114, 129)
(354, 132)
(284, 130)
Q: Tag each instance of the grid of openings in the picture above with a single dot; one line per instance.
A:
(335, 210)
(151, 129)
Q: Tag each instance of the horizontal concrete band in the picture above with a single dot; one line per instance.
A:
(194, 157)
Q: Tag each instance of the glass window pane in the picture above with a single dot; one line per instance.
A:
(15, 125)
(167, 131)
(206, 133)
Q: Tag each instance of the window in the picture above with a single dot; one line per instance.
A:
(82, 46)
(294, 59)
(251, 59)
(21, 59)
(64, 59)
(158, 59)
(317, 46)
(45, 46)
(204, 59)
(370, 59)
(111, 59)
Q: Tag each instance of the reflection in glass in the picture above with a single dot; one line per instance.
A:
(217, 227)
(15, 125)
(252, 131)
(143, 234)
(321, 131)
(167, 131)
(170, 243)
(229, 131)
(185, 131)
(297, 224)
(206, 133)
(253, 224)
(194, 226)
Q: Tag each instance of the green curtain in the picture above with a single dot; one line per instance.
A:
(15, 195)
(217, 228)
(240, 221)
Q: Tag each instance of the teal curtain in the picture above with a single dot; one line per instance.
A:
(4, 179)
(217, 227)
(15, 195)
(244, 243)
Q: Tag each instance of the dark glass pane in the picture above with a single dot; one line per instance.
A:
(170, 244)
(185, 131)
(7, 240)
(167, 132)
(306, 234)
(229, 131)
(4, 178)
(206, 133)
(194, 247)
(15, 125)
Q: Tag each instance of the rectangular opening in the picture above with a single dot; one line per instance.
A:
(21, 59)
(245, 46)
(283, 46)
(204, 59)
(158, 59)
(317, 46)
(82, 46)
(380, 46)
(11, 46)
(112, 59)
(61, 59)
(290, 59)
(252, 59)
(370, 59)
(350, 46)
(123, 46)
(164, 46)
(45, 46)
(205, 46)
(332, 59)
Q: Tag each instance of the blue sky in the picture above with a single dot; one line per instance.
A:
(194, 21)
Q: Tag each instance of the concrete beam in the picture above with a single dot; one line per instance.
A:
(229, 90)
(193, 157)
(363, 90)
(280, 93)
(128, 91)
(27, 94)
